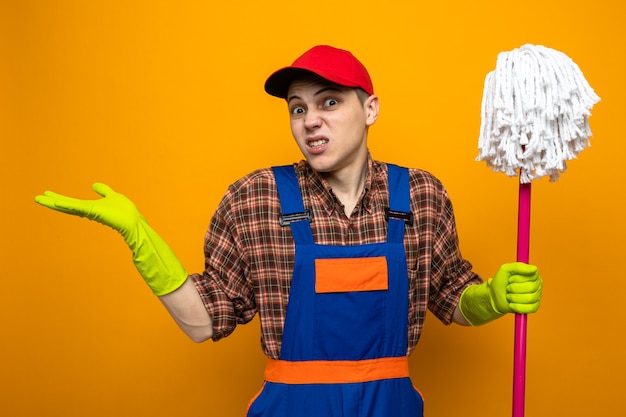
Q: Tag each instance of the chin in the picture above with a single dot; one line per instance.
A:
(320, 166)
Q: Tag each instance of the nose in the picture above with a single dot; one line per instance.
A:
(312, 119)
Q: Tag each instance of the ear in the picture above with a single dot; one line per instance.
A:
(372, 106)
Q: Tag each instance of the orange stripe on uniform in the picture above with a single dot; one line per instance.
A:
(253, 399)
(350, 274)
(336, 372)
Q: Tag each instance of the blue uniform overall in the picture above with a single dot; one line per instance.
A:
(344, 344)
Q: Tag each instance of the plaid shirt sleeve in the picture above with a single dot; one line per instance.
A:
(450, 273)
(248, 261)
(438, 274)
(226, 293)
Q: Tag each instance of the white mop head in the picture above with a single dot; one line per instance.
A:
(535, 110)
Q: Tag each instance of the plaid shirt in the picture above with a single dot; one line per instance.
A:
(250, 257)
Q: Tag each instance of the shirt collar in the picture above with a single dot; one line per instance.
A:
(324, 195)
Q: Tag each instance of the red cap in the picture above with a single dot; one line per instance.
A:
(332, 64)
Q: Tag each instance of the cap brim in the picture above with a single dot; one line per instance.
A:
(278, 83)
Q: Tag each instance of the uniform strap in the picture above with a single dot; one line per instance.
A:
(399, 211)
(298, 218)
(293, 213)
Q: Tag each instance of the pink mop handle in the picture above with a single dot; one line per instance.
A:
(523, 249)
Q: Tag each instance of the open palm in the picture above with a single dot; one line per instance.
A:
(114, 209)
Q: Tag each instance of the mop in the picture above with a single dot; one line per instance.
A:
(535, 110)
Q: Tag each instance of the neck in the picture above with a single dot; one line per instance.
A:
(348, 186)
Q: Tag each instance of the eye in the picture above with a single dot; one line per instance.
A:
(296, 110)
(329, 102)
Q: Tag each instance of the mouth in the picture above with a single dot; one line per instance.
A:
(317, 143)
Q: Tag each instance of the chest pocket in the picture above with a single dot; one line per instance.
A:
(351, 274)
(350, 301)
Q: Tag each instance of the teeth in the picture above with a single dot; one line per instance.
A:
(317, 143)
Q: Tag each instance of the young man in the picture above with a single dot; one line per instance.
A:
(339, 254)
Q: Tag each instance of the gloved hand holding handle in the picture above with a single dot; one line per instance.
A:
(152, 257)
(516, 288)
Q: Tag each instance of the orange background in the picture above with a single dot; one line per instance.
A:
(164, 102)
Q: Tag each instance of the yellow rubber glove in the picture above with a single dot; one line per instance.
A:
(516, 288)
(152, 257)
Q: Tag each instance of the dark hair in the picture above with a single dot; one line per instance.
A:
(362, 94)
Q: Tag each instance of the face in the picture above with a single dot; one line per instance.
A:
(329, 124)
